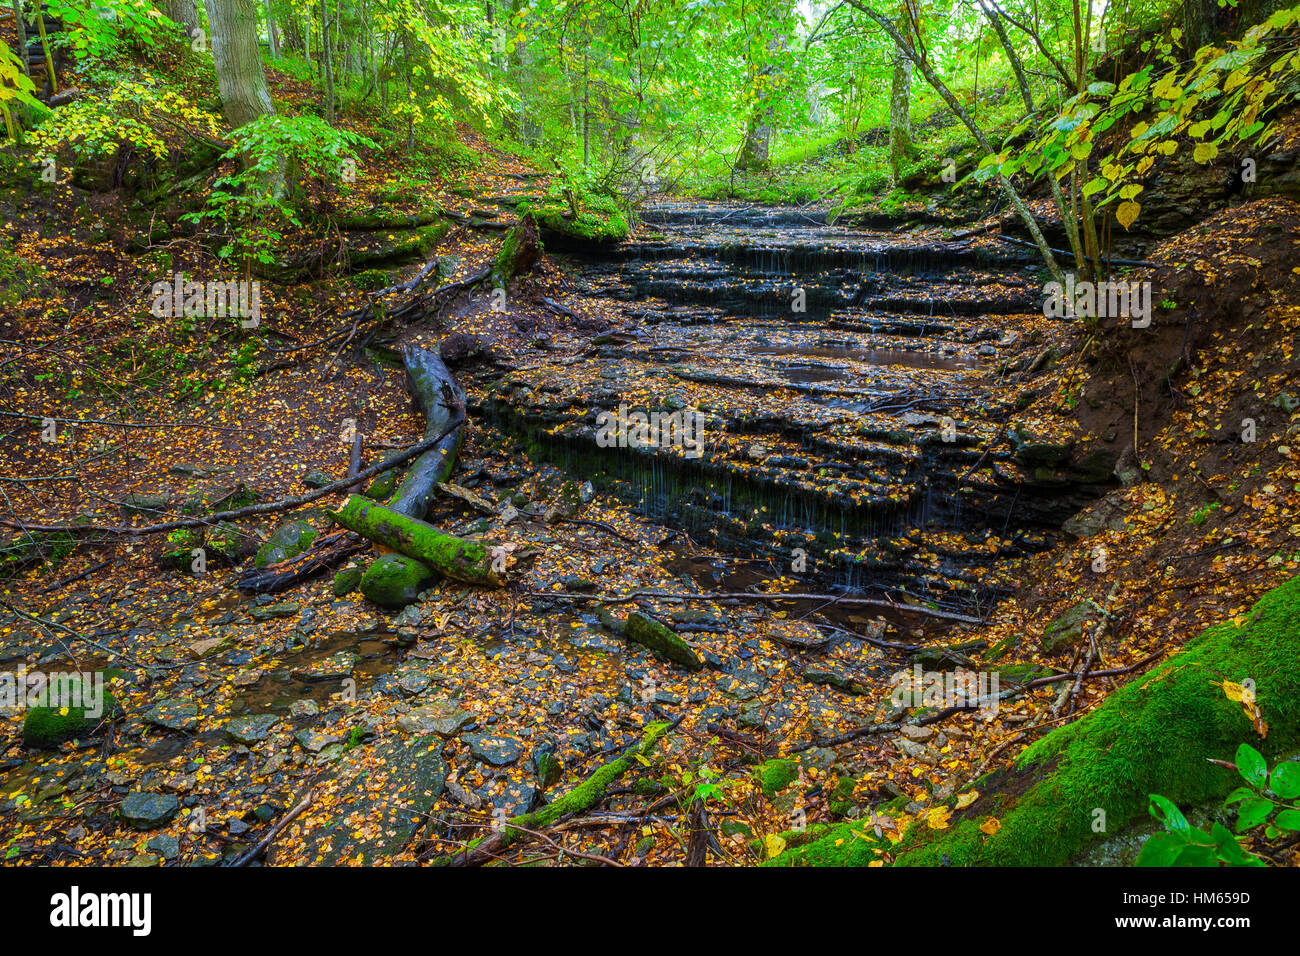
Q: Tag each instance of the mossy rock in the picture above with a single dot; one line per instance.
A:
(346, 581)
(210, 498)
(290, 539)
(382, 488)
(179, 552)
(1067, 630)
(50, 726)
(394, 580)
(228, 544)
(1156, 734)
(775, 775)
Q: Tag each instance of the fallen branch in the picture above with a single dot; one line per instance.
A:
(270, 507)
(265, 842)
(578, 800)
(751, 596)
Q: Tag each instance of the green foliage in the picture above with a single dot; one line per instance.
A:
(139, 114)
(1268, 801)
(254, 213)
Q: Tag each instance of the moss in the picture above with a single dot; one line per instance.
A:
(1156, 734)
(383, 486)
(181, 543)
(650, 633)
(346, 581)
(50, 726)
(288, 540)
(586, 794)
(36, 548)
(394, 580)
(775, 775)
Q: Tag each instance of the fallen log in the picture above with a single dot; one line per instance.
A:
(472, 562)
(442, 403)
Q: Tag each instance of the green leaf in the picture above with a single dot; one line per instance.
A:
(1253, 812)
(1288, 820)
(1241, 793)
(1161, 849)
(1195, 855)
(1250, 762)
(1167, 813)
(1285, 780)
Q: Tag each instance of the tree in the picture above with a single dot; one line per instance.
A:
(184, 13)
(900, 96)
(240, 76)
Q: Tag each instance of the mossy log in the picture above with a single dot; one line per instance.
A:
(472, 562)
(578, 800)
(1157, 734)
(661, 639)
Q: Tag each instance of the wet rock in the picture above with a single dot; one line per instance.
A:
(493, 749)
(313, 741)
(165, 845)
(837, 679)
(288, 540)
(443, 717)
(335, 667)
(174, 713)
(148, 811)
(251, 729)
(316, 478)
(394, 804)
(304, 708)
(145, 504)
(270, 611)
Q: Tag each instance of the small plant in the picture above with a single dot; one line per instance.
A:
(1201, 515)
(1263, 797)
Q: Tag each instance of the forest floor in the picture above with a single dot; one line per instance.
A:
(415, 732)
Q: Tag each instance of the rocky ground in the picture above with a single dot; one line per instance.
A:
(416, 730)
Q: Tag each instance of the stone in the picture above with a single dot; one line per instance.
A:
(335, 667)
(443, 717)
(288, 540)
(393, 580)
(494, 749)
(251, 729)
(148, 811)
(316, 478)
(174, 714)
(394, 804)
(313, 741)
(1067, 630)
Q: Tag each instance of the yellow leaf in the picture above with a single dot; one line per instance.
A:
(774, 845)
(1127, 213)
(1205, 152)
(966, 799)
(937, 819)
(991, 826)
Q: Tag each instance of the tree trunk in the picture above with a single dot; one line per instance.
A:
(327, 61)
(900, 113)
(240, 77)
(442, 402)
(185, 13)
(900, 109)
